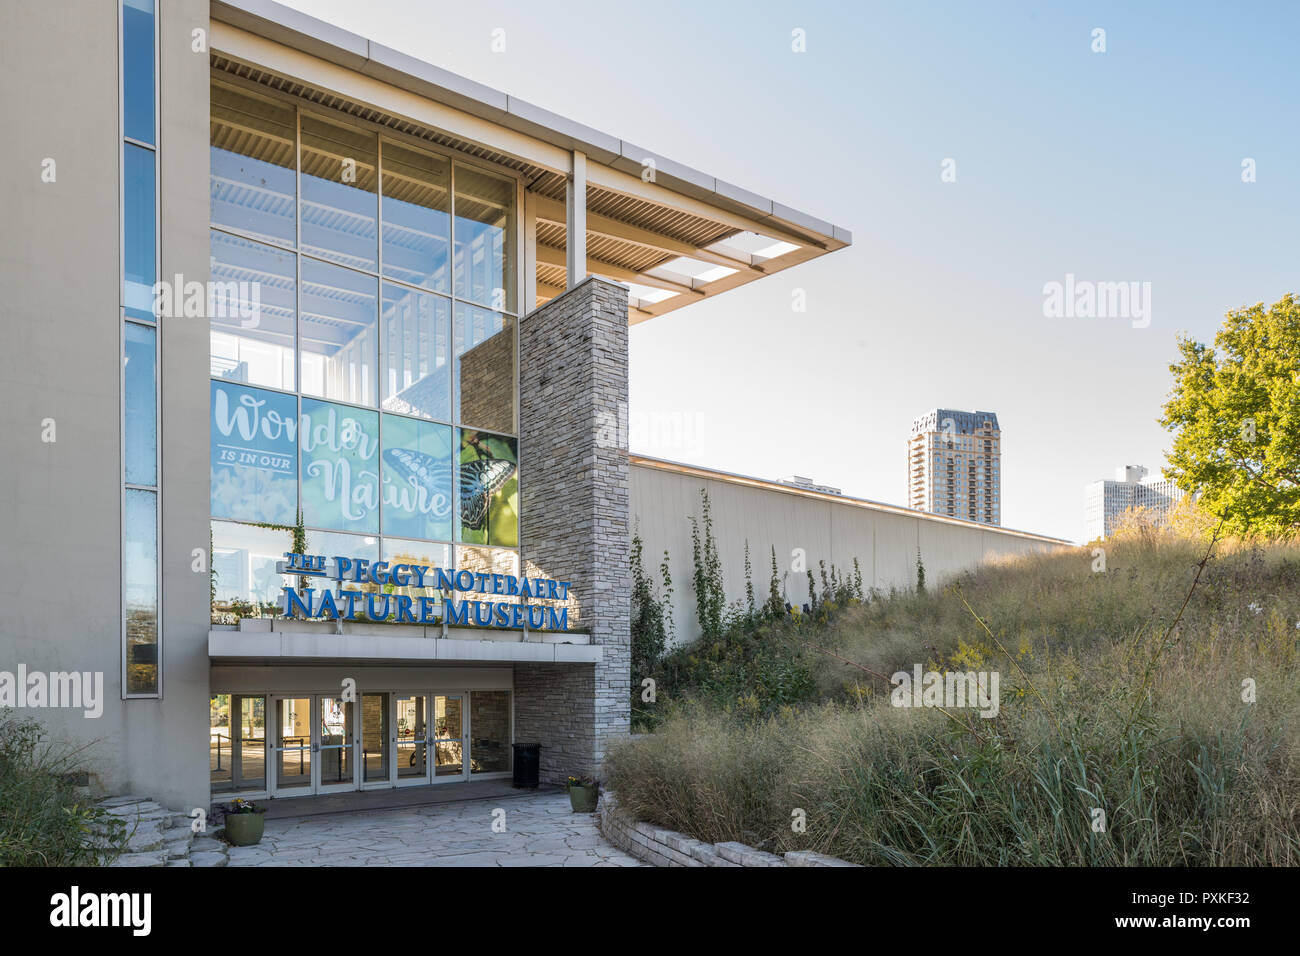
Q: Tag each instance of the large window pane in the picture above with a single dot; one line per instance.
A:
(254, 454)
(488, 489)
(485, 236)
(139, 236)
(138, 70)
(243, 569)
(140, 579)
(425, 553)
(338, 335)
(417, 478)
(484, 390)
(417, 217)
(489, 721)
(253, 311)
(140, 439)
(339, 205)
(417, 353)
(489, 561)
(335, 544)
(252, 165)
(340, 467)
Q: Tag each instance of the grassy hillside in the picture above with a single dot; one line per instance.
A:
(1106, 708)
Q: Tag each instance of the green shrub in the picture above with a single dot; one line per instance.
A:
(43, 820)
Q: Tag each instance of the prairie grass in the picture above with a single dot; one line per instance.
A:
(1105, 708)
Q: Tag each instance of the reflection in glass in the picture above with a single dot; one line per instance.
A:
(254, 448)
(293, 742)
(484, 389)
(417, 478)
(487, 489)
(252, 312)
(424, 553)
(335, 741)
(338, 333)
(139, 234)
(489, 718)
(252, 179)
(449, 736)
(138, 70)
(243, 563)
(417, 353)
(489, 561)
(416, 212)
(484, 235)
(237, 743)
(140, 440)
(140, 579)
(412, 730)
(340, 467)
(335, 544)
(339, 206)
(374, 737)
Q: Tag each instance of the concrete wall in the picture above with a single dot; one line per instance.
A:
(60, 502)
(884, 540)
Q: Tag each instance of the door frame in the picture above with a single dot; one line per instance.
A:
(273, 739)
(318, 721)
(463, 776)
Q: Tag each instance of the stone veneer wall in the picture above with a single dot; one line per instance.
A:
(574, 525)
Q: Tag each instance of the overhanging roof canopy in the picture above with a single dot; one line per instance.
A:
(672, 234)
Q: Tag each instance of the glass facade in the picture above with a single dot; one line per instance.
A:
(364, 365)
(141, 599)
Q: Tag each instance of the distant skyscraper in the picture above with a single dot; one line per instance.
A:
(954, 465)
(1104, 502)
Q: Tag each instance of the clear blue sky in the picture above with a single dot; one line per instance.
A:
(1115, 166)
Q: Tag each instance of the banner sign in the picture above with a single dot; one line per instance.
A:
(357, 605)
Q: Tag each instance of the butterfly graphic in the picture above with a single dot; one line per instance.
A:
(419, 469)
(479, 481)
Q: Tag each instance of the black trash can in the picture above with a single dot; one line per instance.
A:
(528, 758)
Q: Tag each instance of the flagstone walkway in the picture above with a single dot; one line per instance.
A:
(537, 828)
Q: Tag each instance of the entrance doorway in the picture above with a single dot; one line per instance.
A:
(300, 744)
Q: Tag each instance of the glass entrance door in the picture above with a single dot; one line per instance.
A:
(335, 745)
(449, 743)
(411, 716)
(292, 746)
(376, 740)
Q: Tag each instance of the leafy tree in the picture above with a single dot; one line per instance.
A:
(1234, 410)
(920, 573)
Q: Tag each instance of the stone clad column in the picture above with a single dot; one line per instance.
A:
(574, 525)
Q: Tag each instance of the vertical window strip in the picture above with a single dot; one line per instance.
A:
(141, 583)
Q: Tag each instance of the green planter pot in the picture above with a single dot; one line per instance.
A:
(583, 799)
(244, 829)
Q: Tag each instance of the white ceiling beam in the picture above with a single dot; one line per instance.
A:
(551, 256)
(552, 211)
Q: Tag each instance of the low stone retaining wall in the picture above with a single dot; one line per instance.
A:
(652, 844)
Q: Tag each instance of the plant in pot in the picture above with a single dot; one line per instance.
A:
(584, 791)
(245, 822)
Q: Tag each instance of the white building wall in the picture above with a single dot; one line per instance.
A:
(884, 539)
